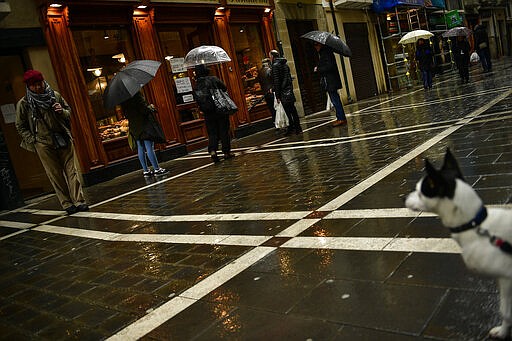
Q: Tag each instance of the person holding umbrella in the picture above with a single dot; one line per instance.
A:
(283, 89)
(124, 89)
(330, 80)
(145, 130)
(217, 124)
(425, 60)
(461, 54)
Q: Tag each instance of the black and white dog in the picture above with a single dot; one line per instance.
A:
(484, 234)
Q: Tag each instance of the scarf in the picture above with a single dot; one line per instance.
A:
(44, 100)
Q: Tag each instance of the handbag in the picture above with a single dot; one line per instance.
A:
(281, 118)
(224, 105)
(60, 140)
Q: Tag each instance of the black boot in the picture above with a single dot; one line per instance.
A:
(215, 157)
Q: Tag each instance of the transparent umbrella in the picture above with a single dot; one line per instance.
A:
(329, 39)
(128, 81)
(413, 36)
(205, 55)
(457, 31)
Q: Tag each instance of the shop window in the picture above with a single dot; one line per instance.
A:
(249, 53)
(103, 52)
(176, 41)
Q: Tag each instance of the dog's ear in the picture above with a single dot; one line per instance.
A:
(434, 183)
(450, 165)
(430, 169)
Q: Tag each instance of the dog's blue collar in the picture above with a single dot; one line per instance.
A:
(477, 220)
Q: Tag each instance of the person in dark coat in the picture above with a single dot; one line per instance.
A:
(145, 130)
(482, 47)
(330, 80)
(461, 54)
(283, 89)
(217, 124)
(425, 59)
(265, 78)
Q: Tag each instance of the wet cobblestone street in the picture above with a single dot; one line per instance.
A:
(302, 238)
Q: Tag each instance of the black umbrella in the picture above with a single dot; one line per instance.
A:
(457, 31)
(127, 82)
(330, 40)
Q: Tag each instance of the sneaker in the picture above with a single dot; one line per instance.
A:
(338, 123)
(161, 171)
(147, 174)
(71, 209)
(82, 208)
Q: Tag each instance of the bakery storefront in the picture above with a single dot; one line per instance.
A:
(90, 42)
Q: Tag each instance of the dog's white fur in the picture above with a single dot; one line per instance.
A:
(477, 251)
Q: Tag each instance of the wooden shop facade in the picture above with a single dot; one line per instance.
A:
(89, 41)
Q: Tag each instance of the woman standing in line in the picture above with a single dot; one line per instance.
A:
(145, 130)
(217, 124)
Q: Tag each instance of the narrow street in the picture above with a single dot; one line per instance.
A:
(296, 238)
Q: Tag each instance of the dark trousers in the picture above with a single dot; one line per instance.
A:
(269, 99)
(463, 70)
(293, 116)
(427, 78)
(336, 101)
(485, 58)
(218, 130)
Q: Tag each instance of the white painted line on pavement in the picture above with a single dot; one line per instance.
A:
(178, 304)
(197, 217)
(382, 173)
(297, 228)
(16, 224)
(430, 245)
(377, 213)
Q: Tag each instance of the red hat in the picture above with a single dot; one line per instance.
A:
(32, 76)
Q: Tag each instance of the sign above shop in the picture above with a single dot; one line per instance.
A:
(210, 2)
(249, 2)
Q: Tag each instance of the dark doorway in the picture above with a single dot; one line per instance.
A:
(361, 60)
(306, 58)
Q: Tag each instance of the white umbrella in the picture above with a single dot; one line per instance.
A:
(206, 55)
(413, 36)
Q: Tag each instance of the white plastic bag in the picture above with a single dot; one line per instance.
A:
(281, 118)
(474, 58)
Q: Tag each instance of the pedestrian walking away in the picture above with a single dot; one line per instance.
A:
(425, 59)
(145, 131)
(265, 78)
(43, 122)
(482, 47)
(217, 124)
(283, 89)
(330, 80)
(461, 51)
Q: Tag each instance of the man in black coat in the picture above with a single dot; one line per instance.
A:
(482, 47)
(460, 51)
(283, 89)
(330, 80)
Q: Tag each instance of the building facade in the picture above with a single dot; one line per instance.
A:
(79, 46)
